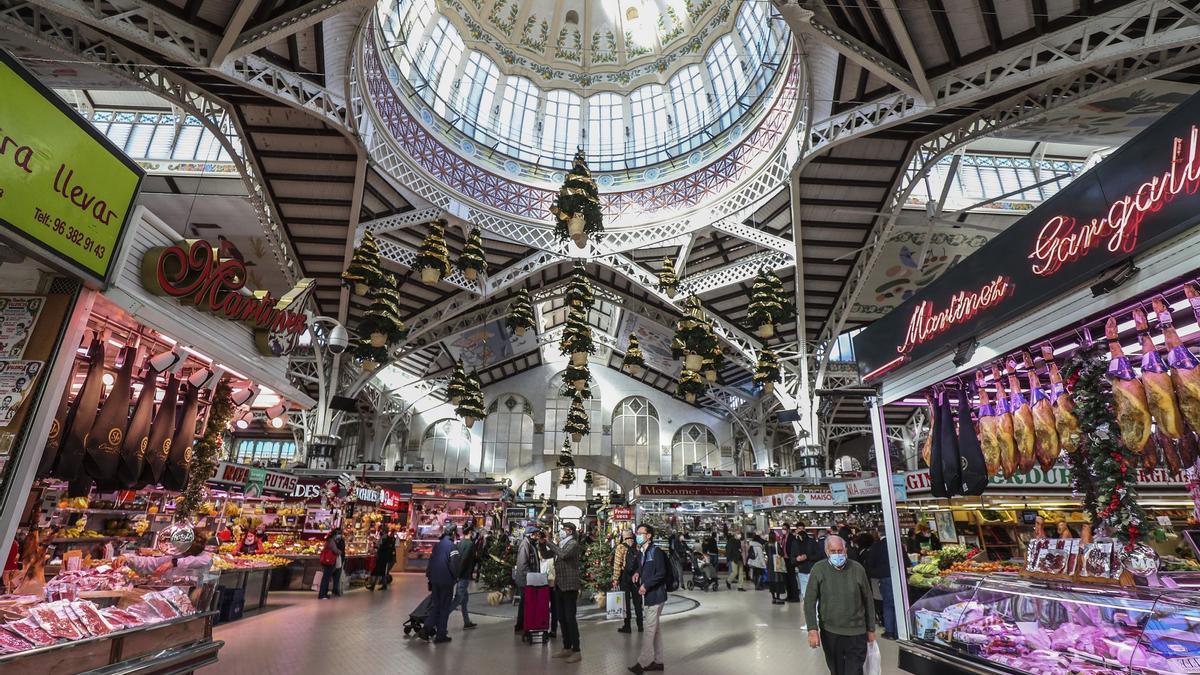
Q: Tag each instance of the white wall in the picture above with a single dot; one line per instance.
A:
(611, 386)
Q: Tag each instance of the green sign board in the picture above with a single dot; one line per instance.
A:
(65, 190)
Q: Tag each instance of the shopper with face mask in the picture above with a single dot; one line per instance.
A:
(651, 579)
(839, 588)
(567, 553)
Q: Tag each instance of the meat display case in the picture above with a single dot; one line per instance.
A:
(1005, 623)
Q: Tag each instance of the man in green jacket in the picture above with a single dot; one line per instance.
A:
(840, 589)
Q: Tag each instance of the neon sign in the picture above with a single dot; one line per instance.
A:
(925, 324)
(1062, 240)
(195, 271)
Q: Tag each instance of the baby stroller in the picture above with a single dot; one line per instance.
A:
(416, 619)
(704, 575)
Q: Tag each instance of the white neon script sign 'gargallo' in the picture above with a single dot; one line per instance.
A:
(1063, 240)
(925, 324)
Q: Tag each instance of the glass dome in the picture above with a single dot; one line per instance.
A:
(634, 82)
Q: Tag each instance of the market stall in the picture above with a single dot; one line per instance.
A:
(433, 504)
(1061, 351)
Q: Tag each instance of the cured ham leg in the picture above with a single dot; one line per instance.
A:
(1010, 459)
(1065, 421)
(1160, 396)
(937, 479)
(1022, 420)
(988, 430)
(1185, 375)
(927, 446)
(1045, 433)
(1133, 412)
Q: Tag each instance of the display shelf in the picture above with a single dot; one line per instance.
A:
(106, 512)
(91, 540)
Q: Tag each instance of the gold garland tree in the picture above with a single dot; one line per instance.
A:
(578, 424)
(577, 337)
(473, 262)
(206, 454)
(769, 304)
(520, 313)
(568, 477)
(668, 281)
(433, 261)
(368, 356)
(690, 385)
(634, 361)
(470, 407)
(565, 459)
(579, 291)
(766, 371)
(575, 379)
(576, 212)
(366, 269)
(694, 339)
(381, 324)
(457, 387)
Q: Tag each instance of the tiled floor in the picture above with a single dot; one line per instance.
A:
(729, 632)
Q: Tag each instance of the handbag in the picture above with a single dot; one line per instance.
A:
(614, 605)
(328, 556)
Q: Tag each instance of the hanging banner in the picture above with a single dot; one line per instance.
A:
(256, 479)
(1141, 195)
(65, 190)
(684, 490)
(622, 513)
(1059, 477)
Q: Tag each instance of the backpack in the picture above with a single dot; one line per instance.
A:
(328, 556)
(671, 581)
(750, 554)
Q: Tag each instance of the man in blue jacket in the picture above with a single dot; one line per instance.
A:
(652, 585)
(443, 562)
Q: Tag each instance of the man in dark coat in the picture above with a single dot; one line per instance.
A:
(811, 552)
(792, 555)
(467, 558)
(652, 585)
(625, 565)
(441, 572)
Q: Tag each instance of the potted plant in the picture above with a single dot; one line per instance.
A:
(381, 324)
(577, 376)
(457, 387)
(579, 291)
(470, 407)
(769, 304)
(370, 357)
(694, 339)
(433, 261)
(472, 262)
(577, 337)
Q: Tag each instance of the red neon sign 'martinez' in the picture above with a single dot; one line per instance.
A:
(1063, 239)
(925, 324)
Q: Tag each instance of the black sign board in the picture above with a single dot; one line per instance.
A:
(1028, 516)
(1143, 194)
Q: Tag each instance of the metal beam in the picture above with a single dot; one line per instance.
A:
(895, 22)
(241, 14)
(288, 23)
(139, 23)
(736, 272)
(400, 221)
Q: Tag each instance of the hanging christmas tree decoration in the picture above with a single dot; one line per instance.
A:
(577, 337)
(690, 385)
(766, 372)
(381, 324)
(568, 477)
(577, 210)
(634, 361)
(578, 423)
(587, 478)
(714, 363)
(457, 387)
(1112, 468)
(470, 406)
(668, 282)
(472, 262)
(520, 313)
(365, 270)
(694, 339)
(769, 304)
(434, 259)
(368, 356)
(565, 458)
(579, 291)
(575, 378)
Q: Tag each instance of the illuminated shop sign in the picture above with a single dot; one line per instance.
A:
(214, 279)
(1140, 196)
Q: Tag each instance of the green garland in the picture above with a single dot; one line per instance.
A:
(520, 312)
(473, 257)
(1107, 482)
(577, 334)
(206, 454)
(366, 268)
(434, 253)
(578, 196)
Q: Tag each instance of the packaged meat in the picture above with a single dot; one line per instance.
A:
(54, 619)
(178, 597)
(87, 614)
(160, 605)
(144, 613)
(120, 618)
(1097, 560)
(11, 642)
(31, 631)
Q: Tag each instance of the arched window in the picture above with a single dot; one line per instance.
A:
(687, 103)
(560, 130)
(437, 63)
(846, 464)
(754, 25)
(606, 127)
(648, 112)
(635, 441)
(507, 434)
(447, 446)
(557, 405)
(518, 111)
(573, 17)
(697, 443)
(724, 65)
(477, 93)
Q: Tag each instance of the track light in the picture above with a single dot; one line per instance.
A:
(108, 379)
(166, 360)
(243, 396)
(243, 422)
(200, 377)
(277, 422)
(277, 410)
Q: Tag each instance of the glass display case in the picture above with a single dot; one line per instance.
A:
(1010, 624)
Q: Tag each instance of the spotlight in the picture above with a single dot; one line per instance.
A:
(964, 352)
(242, 422)
(108, 379)
(243, 396)
(277, 410)
(166, 360)
(277, 422)
(1112, 278)
(200, 377)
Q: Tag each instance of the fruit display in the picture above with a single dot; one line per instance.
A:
(225, 561)
(284, 544)
(933, 565)
(290, 511)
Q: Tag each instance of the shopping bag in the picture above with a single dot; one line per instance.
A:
(614, 605)
(547, 568)
(316, 585)
(872, 665)
(536, 579)
(343, 583)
